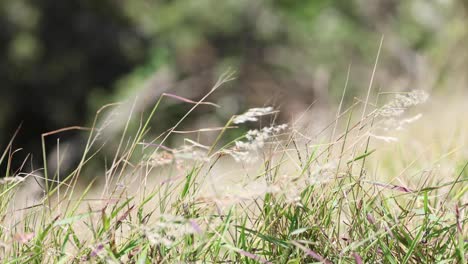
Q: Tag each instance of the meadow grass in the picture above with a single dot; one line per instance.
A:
(278, 194)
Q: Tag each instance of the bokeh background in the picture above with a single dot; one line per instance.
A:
(62, 60)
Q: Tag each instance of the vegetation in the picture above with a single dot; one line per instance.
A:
(311, 172)
(274, 195)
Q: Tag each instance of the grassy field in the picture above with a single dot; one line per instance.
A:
(382, 182)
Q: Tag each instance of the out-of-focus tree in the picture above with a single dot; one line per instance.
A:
(54, 55)
(296, 50)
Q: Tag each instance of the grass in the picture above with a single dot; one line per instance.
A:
(347, 194)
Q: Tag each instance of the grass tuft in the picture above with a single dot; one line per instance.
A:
(273, 195)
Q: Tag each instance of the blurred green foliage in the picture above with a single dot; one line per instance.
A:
(309, 42)
(55, 54)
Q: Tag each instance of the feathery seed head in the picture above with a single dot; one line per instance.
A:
(252, 115)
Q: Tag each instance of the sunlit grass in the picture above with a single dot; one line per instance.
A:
(350, 194)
